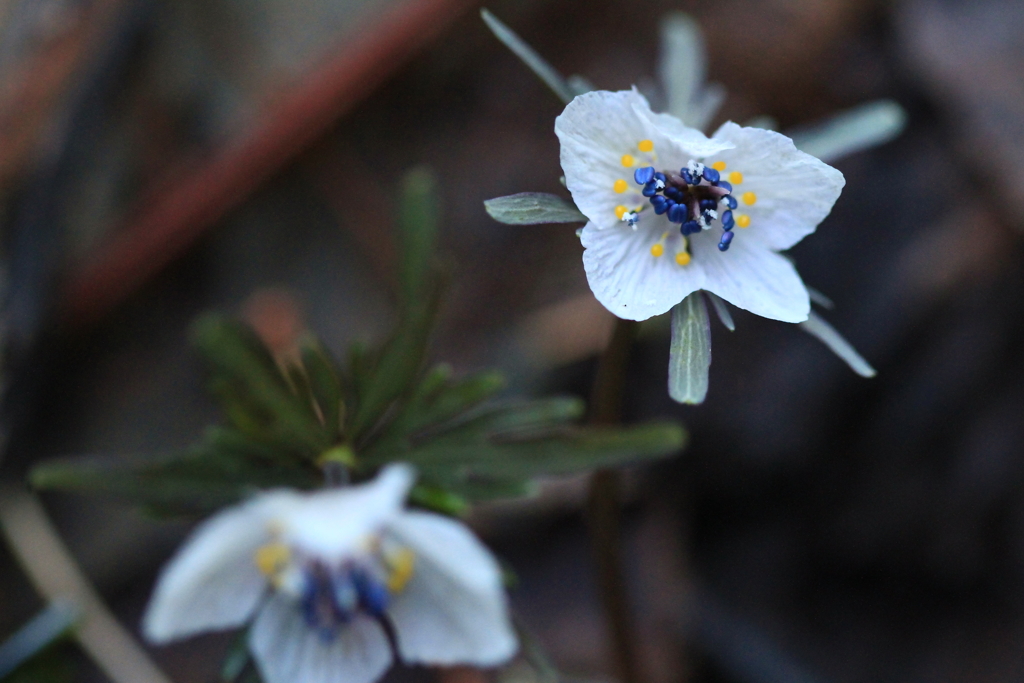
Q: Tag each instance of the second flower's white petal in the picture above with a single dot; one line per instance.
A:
(333, 524)
(213, 582)
(288, 651)
(627, 279)
(753, 278)
(454, 609)
(794, 190)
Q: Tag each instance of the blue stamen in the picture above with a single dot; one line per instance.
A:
(730, 201)
(725, 185)
(690, 227)
(650, 189)
(660, 176)
(373, 595)
(711, 175)
(723, 245)
(660, 204)
(644, 175)
(708, 204)
(673, 192)
(677, 213)
(727, 220)
(687, 178)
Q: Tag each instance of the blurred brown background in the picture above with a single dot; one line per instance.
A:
(159, 159)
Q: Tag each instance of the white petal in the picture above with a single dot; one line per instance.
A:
(627, 279)
(753, 278)
(288, 651)
(795, 191)
(334, 523)
(598, 128)
(454, 609)
(212, 582)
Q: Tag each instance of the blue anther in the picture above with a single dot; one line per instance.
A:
(677, 213)
(730, 201)
(644, 175)
(660, 204)
(727, 220)
(687, 178)
(674, 193)
(708, 218)
(725, 185)
(711, 175)
(373, 595)
(650, 189)
(660, 176)
(723, 244)
(690, 227)
(708, 204)
(346, 595)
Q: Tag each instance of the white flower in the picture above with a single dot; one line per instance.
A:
(323, 571)
(645, 254)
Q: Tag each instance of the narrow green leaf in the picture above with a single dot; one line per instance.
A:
(851, 131)
(324, 383)
(575, 450)
(690, 350)
(237, 658)
(418, 224)
(529, 56)
(437, 405)
(682, 63)
(402, 357)
(438, 499)
(533, 208)
(257, 396)
(817, 327)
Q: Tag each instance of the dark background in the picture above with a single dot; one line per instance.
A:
(820, 527)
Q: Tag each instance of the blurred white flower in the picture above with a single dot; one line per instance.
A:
(663, 202)
(327, 574)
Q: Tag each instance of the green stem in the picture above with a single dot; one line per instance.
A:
(603, 504)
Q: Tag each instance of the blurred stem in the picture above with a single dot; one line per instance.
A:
(57, 577)
(603, 503)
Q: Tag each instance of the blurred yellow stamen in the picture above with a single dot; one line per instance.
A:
(620, 211)
(718, 166)
(628, 160)
(743, 220)
(401, 565)
(749, 198)
(272, 559)
(735, 177)
(646, 146)
(657, 249)
(620, 186)
(683, 258)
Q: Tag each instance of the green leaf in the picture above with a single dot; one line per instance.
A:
(438, 400)
(198, 481)
(690, 350)
(402, 357)
(529, 56)
(533, 208)
(851, 131)
(325, 384)
(817, 327)
(438, 499)
(237, 658)
(254, 393)
(418, 224)
(574, 450)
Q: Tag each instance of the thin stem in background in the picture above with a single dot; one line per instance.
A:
(603, 504)
(57, 577)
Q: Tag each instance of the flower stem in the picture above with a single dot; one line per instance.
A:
(603, 503)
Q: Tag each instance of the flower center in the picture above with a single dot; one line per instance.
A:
(330, 596)
(694, 198)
